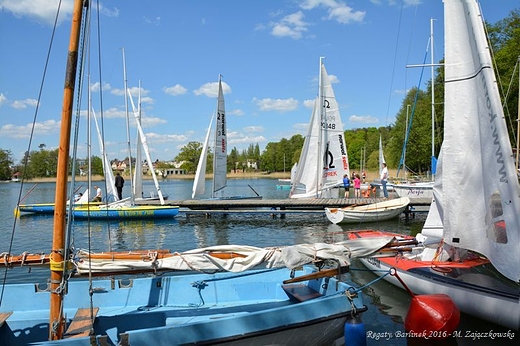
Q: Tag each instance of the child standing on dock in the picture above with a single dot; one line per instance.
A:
(357, 186)
(346, 185)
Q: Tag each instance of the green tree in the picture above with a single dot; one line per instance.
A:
(233, 160)
(42, 163)
(97, 166)
(505, 40)
(189, 156)
(5, 164)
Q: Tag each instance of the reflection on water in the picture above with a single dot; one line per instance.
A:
(387, 304)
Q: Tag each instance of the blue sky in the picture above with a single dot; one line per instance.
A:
(267, 51)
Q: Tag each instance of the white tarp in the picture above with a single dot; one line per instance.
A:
(274, 257)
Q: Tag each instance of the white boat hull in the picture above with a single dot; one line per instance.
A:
(415, 191)
(368, 213)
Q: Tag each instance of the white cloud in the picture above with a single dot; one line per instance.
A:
(3, 99)
(175, 90)
(292, 26)
(279, 105)
(44, 11)
(22, 104)
(309, 103)
(159, 138)
(154, 21)
(134, 91)
(365, 119)
(152, 121)
(236, 112)
(254, 129)
(95, 87)
(337, 10)
(47, 127)
(235, 137)
(211, 89)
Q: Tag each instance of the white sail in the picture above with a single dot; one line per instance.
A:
(144, 143)
(306, 173)
(138, 172)
(479, 201)
(335, 163)
(220, 152)
(199, 183)
(324, 158)
(107, 167)
(381, 155)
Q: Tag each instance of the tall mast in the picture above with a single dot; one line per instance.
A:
(518, 121)
(433, 95)
(321, 153)
(128, 129)
(56, 319)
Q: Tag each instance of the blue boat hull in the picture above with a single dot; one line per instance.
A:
(40, 208)
(47, 208)
(228, 308)
(134, 212)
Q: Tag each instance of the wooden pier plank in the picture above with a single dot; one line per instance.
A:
(281, 204)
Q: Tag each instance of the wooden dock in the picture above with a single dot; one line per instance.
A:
(285, 206)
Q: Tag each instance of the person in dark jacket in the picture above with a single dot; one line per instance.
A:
(120, 182)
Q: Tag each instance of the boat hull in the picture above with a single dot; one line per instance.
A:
(228, 308)
(415, 191)
(126, 212)
(485, 296)
(47, 208)
(385, 210)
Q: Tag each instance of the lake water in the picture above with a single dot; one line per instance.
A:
(387, 304)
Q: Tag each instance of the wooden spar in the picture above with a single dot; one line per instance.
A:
(142, 255)
(56, 320)
(318, 275)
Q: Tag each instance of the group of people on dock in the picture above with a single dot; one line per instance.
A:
(356, 182)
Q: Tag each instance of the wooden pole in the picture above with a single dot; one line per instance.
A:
(56, 321)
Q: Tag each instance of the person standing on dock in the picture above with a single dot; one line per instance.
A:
(384, 178)
(120, 182)
(357, 186)
(346, 185)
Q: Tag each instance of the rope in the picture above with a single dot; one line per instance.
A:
(359, 289)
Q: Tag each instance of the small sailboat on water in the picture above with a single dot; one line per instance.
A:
(219, 156)
(323, 159)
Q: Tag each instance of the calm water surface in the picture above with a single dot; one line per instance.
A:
(387, 304)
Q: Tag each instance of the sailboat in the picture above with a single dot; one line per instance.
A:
(469, 245)
(84, 199)
(219, 156)
(126, 208)
(323, 159)
(231, 295)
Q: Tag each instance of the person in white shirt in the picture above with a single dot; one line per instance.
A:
(98, 197)
(384, 178)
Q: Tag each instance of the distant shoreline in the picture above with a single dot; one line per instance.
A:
(371, 175)
(245, 175)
